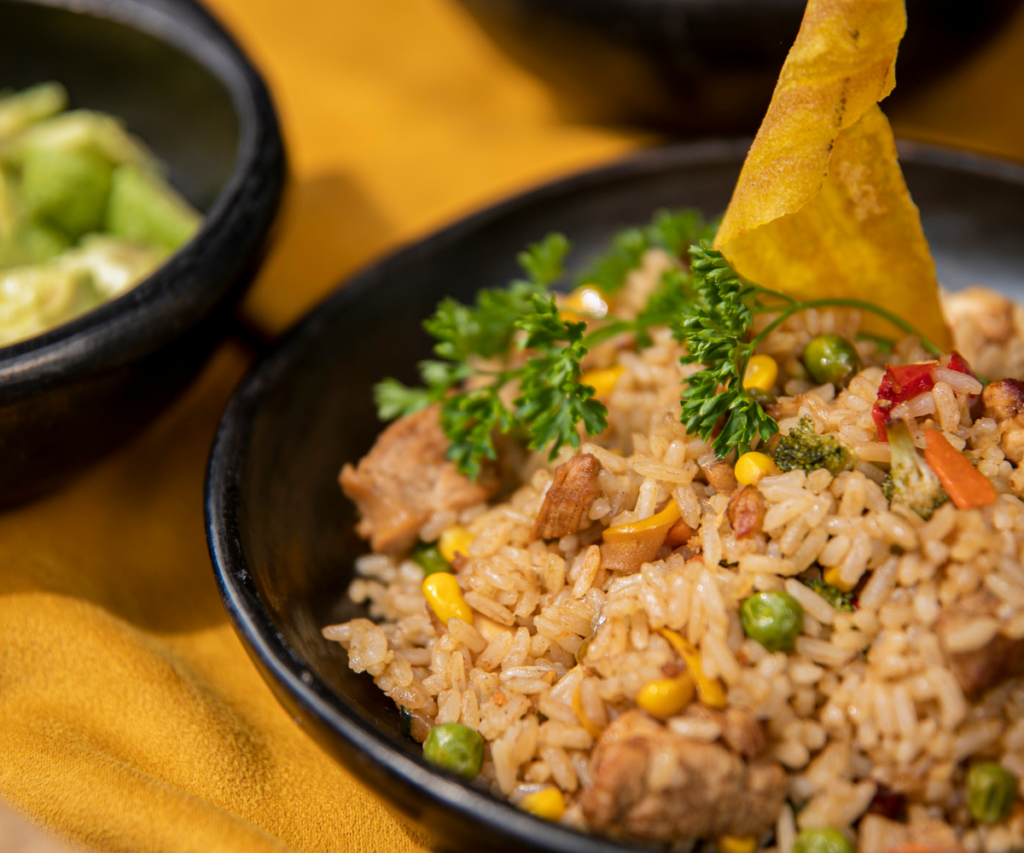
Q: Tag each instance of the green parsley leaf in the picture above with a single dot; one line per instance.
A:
(715, 329)
(542, 261)
(396, 400)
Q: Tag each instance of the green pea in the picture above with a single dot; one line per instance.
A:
(774, 619)
(991, 791)
(763, 398)
(831, 358)
(825, 840)
(430, 559)
(456, 748)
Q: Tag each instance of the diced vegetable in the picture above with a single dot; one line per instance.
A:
(455, 540)
(991, 791)
(456, 748)
(67, 189)
(774, 619)
(761, 373)
(752, 466)
(666, 697)
(905, 382)
(831, 358)
(911, 481)
(145, 208)
(547, 803)
(803, 449)
(966, 486)
(602, 381)
(736, 843)
(824, 840)
(628, 546)
(20, 109)
(709, 690)
(835, 595)
(430, 559)
(577, 708)
(445, 597)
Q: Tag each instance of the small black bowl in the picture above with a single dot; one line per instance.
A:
(700, 66)
(279, 530)
(70, 395)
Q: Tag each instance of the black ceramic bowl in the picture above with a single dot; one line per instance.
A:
(178, 80)
(279, 530)
(700, 66)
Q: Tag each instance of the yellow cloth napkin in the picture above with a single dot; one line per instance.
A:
(131, 718)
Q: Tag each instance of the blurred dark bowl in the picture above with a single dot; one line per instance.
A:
(178, 80)
(280, 532)
(700, 66)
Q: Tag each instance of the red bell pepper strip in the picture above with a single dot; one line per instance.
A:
(906, 381)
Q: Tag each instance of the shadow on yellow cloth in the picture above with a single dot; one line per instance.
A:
(131, 718)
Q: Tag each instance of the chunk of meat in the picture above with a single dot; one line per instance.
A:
(719, 474)
(405, 479)
(745, 511)
(740, 730)
(572, 490)
(650, 783)
(984, 668)
(1004, 401)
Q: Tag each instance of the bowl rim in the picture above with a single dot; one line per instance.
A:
(290, 677)
(172, 299)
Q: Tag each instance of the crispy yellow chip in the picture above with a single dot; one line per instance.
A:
(821, 208)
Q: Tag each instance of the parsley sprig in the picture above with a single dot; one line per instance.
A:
(716, 329)
(512, 363)
(523, 318)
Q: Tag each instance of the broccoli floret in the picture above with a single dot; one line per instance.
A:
(803, 448)
(841, 601)
(910, 480)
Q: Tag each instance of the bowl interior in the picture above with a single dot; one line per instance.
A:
(165, 94)
(308, 409)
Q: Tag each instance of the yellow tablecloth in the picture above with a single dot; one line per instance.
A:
(131, 718)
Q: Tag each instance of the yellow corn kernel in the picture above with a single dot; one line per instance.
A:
(831, 575)
(445, 597)
(752, 466)
(455, 539)
(666, 697)
(602, 381)
(709, 690)
(584, 303)
(581, 715)
(547, 803)
(761, 373)
(666, 518)
(736, 844)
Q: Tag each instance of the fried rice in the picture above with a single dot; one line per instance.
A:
(869, 722)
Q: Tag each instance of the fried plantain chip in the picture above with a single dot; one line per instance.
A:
(821, 208)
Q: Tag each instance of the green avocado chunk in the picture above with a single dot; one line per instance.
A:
(66, 189)
(31, 243)
(145, 209)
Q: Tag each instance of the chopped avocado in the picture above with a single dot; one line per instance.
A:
(31, 243)
(35, 298)
(20, 109)
(114, 265)
(81, 130)
(144, 208)
(66, 189)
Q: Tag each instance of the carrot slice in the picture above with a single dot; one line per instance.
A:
(966, 485)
